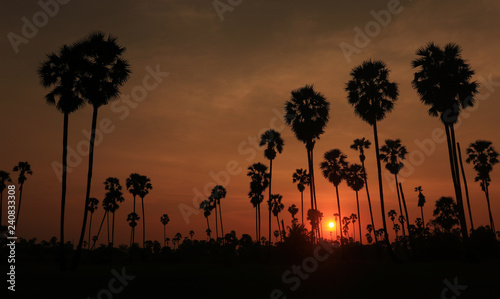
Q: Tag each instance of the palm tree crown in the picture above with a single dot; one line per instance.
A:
(392, 153)
(334, 165)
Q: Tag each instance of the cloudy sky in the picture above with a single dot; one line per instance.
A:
(230, 70)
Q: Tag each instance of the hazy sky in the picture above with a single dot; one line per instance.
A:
(229, 75)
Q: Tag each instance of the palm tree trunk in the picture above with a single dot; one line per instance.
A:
(87, 195)
(340, 214)
(422, 213)
(107, 227)
(19, 205)
(359, 221)
(465, 185)
(302, 205)
(270, 181)
(487, 193)
(143, 224)
(382, 207)
(279, 227)
(220, 217)
(216, 222)
(368, 196)
(257, 224)
(258, 209)
(400, 207)
(100, 227)
(113, 231)
(164, 237)
(133, 227)
(460, 203)
(283, 228)
(90, 228)
(63, 191)
(410, 234)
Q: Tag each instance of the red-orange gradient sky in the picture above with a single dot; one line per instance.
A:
(228, 80)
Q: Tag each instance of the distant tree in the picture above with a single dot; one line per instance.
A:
(314, 217)
(276, 207)
(164, 220)
(446, 213)
(302, 178)
(421, 202)
(293, 210)
(115, 195)
(4, 178)
(191, 234)
(345, 227)
(207, 208)
(276, 235)
(360, 145)
(483, 156)
(274, 143)
(259, 182)
(354, 218)
(354, 179)
(139, 185)
(218, 193)
(24, 168)
(132, 219)
(93, 204)
(333, 168)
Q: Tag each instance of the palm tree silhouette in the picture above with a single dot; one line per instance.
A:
(177, 238)
(302, 178)
(260, 181)
(392, 154)
(191, 234)
(24, 168)
(4, 177)
(483, 156)
(354, 218)
(274, 143)
(164, 220)
(333, 168)
(446, 213)
(115, 195)
(133, 184)
(276, 207)
(421, 202)
(132, 218)
(360, 145)
(276, 235)
(443, 81)
(218, 193)
(337, 223)
(354, 179)
(93, 204)
(207, 207)
(61, 71)
(293, 210)
(373, 95)
(307, 115)
(109, 206)
(104, 72)
(392, 215)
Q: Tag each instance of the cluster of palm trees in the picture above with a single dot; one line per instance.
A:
(24, 169)
(211, 204)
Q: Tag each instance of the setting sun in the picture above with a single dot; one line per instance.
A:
(331, 224)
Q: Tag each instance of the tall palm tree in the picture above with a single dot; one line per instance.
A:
(93, 204)
(307, 113)
(372, 95)
(354, 179)
(421, 202)
(302, 178)
(115, 195)
(258, 184)
(276, 207)
(443, 82)
(133, 184)
(218, 193)
(24, 168)
(333, 168)
(164, 220)
(392, 154)
(62, 72)
(483, 156)
(104, 72)
(145, 186)
(274, 143)
(132, 219)
(4, 177)
(360, 145)
(110, 206)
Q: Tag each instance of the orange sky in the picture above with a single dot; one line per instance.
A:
(227, 82)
